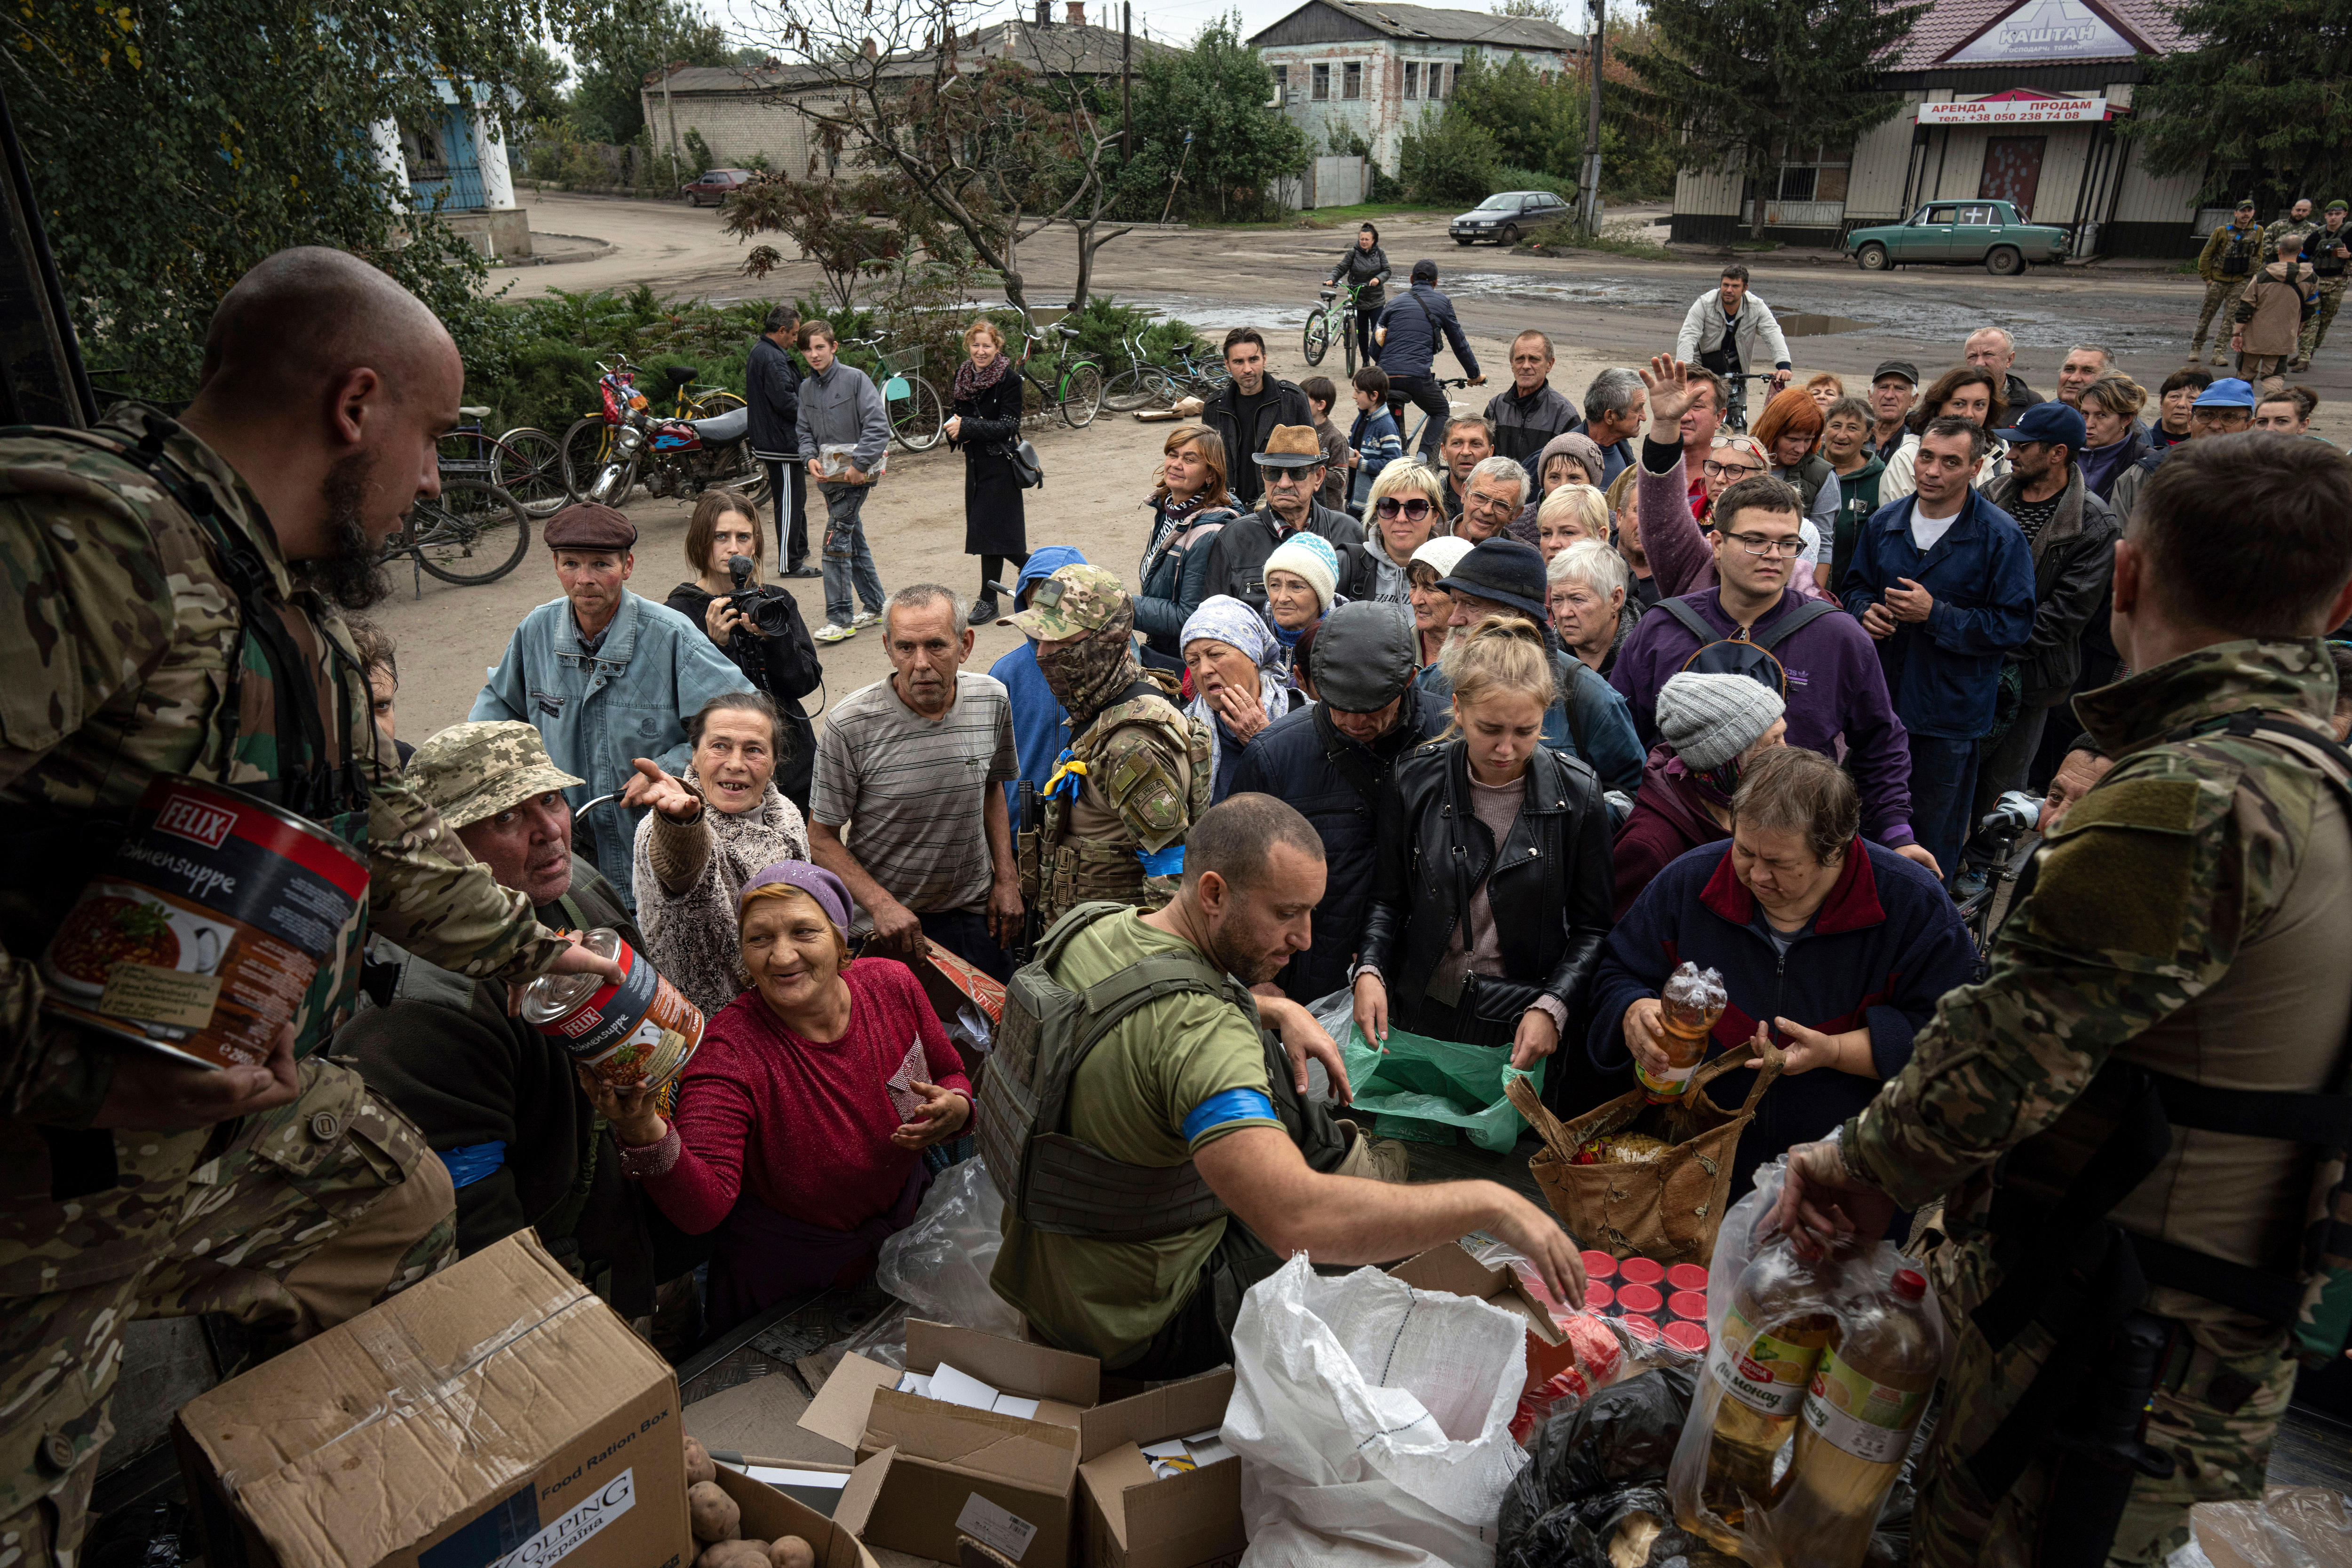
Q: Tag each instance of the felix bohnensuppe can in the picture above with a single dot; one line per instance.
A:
(203, 933)
(641, 1032)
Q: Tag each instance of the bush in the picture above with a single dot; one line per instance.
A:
(699, 150)
(1448, 160)
(1510, 177)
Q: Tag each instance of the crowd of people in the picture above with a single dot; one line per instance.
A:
(1473, 743)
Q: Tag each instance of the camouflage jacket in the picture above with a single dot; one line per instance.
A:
(1149, 764)
(2128, 923)
(126, 646)
(2278, 229)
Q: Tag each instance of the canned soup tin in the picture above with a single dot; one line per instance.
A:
(639, 1033)
(202, 934)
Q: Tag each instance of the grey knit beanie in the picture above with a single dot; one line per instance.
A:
(1710, 719)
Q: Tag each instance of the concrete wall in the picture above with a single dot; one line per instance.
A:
(737, 125)
(1383, 114)
(505, 234)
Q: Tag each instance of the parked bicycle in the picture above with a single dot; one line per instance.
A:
(917, 414)
(1143, 384)
(473, 532)
(1331, 321)
(1078, 390)
(526, 463)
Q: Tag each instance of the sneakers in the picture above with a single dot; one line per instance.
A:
(1970, 884)
(863, 619)
(981, 614)
(801, 570)
(833, 631)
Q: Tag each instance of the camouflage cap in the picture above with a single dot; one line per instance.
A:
(1073, 600)
(471, 771)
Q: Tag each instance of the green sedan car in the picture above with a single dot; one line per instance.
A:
(1968, 232)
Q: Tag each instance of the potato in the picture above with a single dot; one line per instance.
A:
(698, 1467)
(733, 1555)
(715, 1517)
(790, 1552)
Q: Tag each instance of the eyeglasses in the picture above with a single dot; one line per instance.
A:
(1715, 470)
(1389, 508)
(1765, 549)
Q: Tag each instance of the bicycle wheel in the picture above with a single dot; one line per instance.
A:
(710, 405)
(586, 446)
(475, 532)
(1082, 394)
(919, 419)
(1347, 343)
(527, 465)
(1319, 336)
(1124, 393)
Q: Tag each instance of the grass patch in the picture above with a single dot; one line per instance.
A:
(1759, 246)
(1616, 238)
(1341, 218)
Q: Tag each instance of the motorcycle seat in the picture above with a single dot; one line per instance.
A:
(722, 428)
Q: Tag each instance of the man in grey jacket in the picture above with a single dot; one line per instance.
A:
(1733, 332)
(840, 407)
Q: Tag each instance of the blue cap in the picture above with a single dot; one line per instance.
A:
(2051, 421)
(2227, 393)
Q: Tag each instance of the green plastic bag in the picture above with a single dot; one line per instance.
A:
(1428, 1092)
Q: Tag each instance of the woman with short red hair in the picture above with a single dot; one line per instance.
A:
(1791, 430)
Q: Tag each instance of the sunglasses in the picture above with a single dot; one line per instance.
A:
(1389, 507)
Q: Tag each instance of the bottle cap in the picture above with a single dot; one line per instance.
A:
(1642, 1298)
(1598, 1264)
(1598, 1297)
(1909, 1284)
(1686, 1276)
(1641, 1327)
(1641, 1271)
(1691, 1337)
(1688, 1305)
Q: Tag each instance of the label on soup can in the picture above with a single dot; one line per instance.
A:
(641, 1031)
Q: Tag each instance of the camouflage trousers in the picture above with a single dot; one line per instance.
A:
(2217, 1455)
(2220, 298)
(290, 1221)
(2331, 297)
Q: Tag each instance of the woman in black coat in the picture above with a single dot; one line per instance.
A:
(1491, 893)
(987, 420)
(1365, 265)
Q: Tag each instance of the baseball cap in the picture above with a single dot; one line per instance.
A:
(2227, 393)
(1902, 367)
(1505, 570)
(1073, 600)
(1363, 657)
(2051, 421)
(485, 766)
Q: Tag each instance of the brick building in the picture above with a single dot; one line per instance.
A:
(1374, 68)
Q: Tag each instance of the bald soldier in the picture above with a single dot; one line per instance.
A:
(181, 588)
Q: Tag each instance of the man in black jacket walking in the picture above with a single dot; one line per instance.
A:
(773, 388)
(1332, 760)
(1249, 408)
(1291, 469)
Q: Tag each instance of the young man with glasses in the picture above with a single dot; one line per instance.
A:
(1742, 583)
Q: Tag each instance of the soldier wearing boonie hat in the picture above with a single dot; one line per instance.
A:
(480, 768)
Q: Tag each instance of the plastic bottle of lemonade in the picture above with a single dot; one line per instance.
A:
(1690, 1000)
(1858, 1417)
(1772, 1340)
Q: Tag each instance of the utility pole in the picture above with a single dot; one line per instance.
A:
(1594, 46)
(1126, 80)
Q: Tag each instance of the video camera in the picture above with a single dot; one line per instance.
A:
(768, 608)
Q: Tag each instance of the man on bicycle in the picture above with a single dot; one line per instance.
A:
(1408, 337)
(1728, 329)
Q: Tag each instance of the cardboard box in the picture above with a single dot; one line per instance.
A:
(1003, 1480)
(1135, 1519)
(1451, 1269)
(496, 1412)
(768, 1513)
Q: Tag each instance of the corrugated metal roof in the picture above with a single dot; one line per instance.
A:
(1457, 26)
(1951, 24)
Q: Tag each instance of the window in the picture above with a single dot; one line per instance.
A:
(1441, 85)
(1977, 216)
(1281, 80)
(1322, 87)
(1940, 214)
(1413, 79)
(1351, 79)
(1797, 183)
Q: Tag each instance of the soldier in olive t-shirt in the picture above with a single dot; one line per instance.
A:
(1170, 1078)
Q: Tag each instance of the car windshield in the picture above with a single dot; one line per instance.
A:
(1507, 201)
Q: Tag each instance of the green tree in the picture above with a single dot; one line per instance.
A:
(2269, 86)
(1448, 158)
(1217, 91)
(1753, 81)
(617, 44)
(1535, 124)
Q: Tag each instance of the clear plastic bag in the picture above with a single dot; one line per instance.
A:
(2290, 1526)
(938, 1267)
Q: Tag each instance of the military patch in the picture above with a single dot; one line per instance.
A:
(2121, 870)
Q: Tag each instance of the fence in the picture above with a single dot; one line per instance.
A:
(1331, 182)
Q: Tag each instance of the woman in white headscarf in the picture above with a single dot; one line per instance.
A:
(1238, 683)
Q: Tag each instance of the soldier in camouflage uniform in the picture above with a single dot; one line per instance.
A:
(166, 625)
(2328, 249)
(2231, 256)
(2182, 929)
(2298, 223)
(1136, 774)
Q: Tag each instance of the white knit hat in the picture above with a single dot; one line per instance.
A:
(1309, 555)
(1710, 719)
(1444, 553)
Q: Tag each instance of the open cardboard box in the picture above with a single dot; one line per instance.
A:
(495, 1411)
(1451, 1269)
(768, 1513)
(1136, 1519)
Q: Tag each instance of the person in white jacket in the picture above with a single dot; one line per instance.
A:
(1967, 392)
(1730, 316)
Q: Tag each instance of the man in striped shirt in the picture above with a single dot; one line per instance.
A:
(907, 810)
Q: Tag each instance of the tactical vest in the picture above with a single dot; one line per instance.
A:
(1061, 870)
(2319, 250)
(2237, 257)
(1051, 1180)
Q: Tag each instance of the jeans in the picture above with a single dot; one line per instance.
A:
(1424, 393)
(847, 556)
(1943, 787)
(964, 932)
(792, 543)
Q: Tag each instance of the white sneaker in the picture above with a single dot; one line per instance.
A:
(832, 631)
(863, 619)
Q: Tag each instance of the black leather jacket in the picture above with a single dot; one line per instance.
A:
(1549, 888)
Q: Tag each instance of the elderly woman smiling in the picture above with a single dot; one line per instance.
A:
(801, 1121)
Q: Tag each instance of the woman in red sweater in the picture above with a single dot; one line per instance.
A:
(801, 1121)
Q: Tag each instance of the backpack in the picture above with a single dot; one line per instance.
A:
(1742, 655)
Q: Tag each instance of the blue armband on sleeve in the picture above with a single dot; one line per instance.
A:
(1168, 862)
(1223, 1109)
(472, 1163)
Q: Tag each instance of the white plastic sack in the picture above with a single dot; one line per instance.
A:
(1372, 1421)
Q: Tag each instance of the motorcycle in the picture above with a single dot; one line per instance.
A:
(680, 458)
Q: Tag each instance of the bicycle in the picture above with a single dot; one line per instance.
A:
(526, 463)
(1143, 383)
(1078, 389)
(473, 532)
(1397, 406)
(1735, 412)
(1334, 317)
(2001, 849)
(917, 417)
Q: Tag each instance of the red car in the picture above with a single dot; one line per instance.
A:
(716, 185)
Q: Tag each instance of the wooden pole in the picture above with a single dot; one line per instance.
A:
(1595, 47)
(1127, 79)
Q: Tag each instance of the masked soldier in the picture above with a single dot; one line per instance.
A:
(175, 612)
(1136, 775)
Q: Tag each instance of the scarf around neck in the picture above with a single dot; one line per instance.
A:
(970, 379)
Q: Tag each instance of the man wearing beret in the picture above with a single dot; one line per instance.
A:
(520, 1140)
(607, 677)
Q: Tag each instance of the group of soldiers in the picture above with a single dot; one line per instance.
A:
(182, 585)
(2236, 252)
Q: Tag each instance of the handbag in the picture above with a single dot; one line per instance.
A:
(1027, 471)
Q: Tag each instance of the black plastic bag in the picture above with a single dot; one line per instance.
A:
(1592, 1469)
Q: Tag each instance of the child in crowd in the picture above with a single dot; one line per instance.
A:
(1374, 442)
(1320, 395)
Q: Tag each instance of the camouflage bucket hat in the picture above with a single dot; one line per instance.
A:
(471, 771)
(1073, 600)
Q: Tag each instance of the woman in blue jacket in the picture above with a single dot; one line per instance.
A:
(1835, 948)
